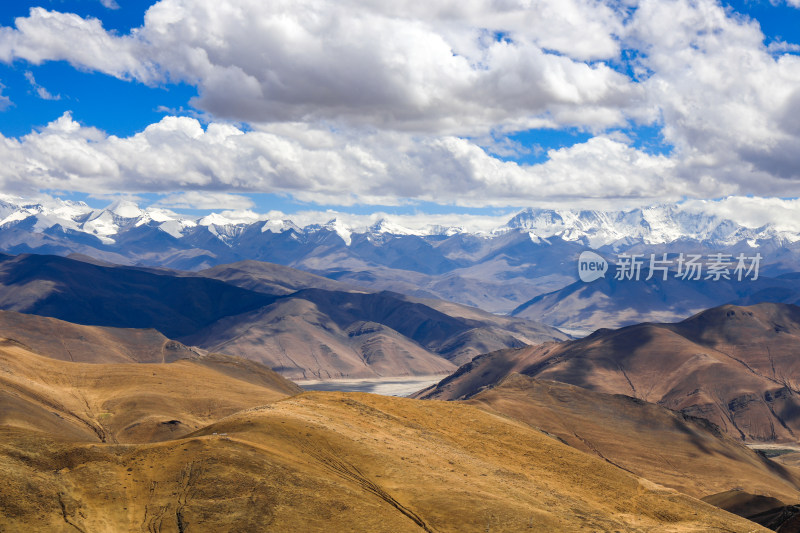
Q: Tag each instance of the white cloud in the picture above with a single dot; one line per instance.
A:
(727, 104)
(781, 47)
(43, 93)
(751, 212)
(205, 200)
(325, 166)
(440, 67)
(5, 101)
(110, 4)
(52, 36)
(371, 101)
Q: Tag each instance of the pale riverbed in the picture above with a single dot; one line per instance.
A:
(399, 386)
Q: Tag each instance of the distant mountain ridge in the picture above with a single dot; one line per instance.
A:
(497, 270)
(302, 325)
(657, 224)
(612, 303)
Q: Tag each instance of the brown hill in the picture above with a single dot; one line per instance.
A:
(298, 339)
(681, 452)
(90, 344)
(338, 462)
(270, 278)
(128, 402)
(612, 303)
(735, 366)
(212, 442)
(490, 331)
(319, 334)
(283, 318)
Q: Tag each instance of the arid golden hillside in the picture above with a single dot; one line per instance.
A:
(128, 402)
(682, 452)
(338, 462)
(218, 443)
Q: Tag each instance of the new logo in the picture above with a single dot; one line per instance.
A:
(591, 266)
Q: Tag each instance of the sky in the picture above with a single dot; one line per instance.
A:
(465, 107)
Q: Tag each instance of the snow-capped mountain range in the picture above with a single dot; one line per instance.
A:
(495, 267)
(661, 224)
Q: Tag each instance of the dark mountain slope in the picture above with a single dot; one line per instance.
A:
(89, 294)
(304, 333)
(612, 303)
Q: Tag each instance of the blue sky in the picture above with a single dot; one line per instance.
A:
(619, 113)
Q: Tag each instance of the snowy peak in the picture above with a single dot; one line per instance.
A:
(386, 226)
(341, 229)
(658, 224)
(104, 224)
(279, 226)
(536, 219)
(652, 225)
(124, 209)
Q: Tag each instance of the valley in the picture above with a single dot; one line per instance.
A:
(511, 425)
(319, 266)
(383, 386)
(143, 447)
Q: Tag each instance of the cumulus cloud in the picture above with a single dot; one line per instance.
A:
(53, 36)
(781, 47)
(376, 102)
(751, 212)
(452, 67)
(218, 164)
(110, 4)
(724, 99)
(321, 165)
